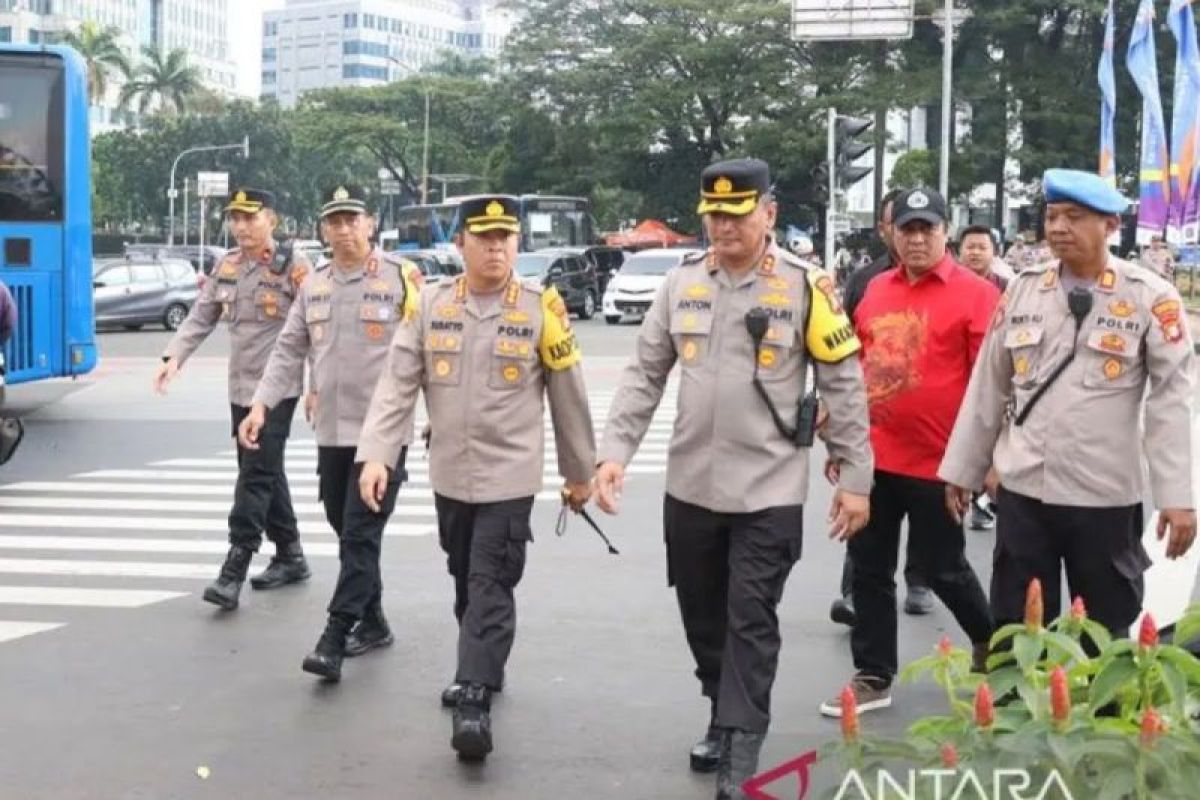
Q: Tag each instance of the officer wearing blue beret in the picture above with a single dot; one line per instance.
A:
(1056, 404)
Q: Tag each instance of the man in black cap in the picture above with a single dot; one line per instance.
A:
(487, 350)
(251, 291)
(746, 322)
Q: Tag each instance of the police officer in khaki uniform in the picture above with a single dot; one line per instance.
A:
(1158, 259)
(251, 291)
(1056, 400)
(485, 348)
(342, 322)
(746, 322)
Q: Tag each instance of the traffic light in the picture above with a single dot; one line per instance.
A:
(849, 150)
(820, 185)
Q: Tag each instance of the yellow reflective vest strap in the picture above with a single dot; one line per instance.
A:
(558, 348)
(829, 333)
(412, 294)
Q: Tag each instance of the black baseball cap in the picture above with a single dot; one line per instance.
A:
(343, 199)
(922, 204)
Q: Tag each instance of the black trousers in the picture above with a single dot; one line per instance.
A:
(939, 546)
(261, 498)
(485, 553)
(729, 571)
(912, 574)
(359, 529)
(1101, 549)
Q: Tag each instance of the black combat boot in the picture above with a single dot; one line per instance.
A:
(225, 589)
(706, 753)
(287, 566)
(326, 659)
(472, 731)
(371, 631)
(739, 762)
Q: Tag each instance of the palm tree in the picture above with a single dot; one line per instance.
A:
(168, 79)
(102, 52)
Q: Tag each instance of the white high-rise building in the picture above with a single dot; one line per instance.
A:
(198, 26)
(312, 44)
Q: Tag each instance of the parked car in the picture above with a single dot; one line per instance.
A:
(203, 259)
(435, 265)
(136, 291)
(607, 260)
(311, 249)
(573, 275)
(633, 287)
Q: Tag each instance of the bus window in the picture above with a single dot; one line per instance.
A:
(423, 227)
(31, 140)
(556, 223)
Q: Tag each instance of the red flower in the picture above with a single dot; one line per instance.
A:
(944, 647)
(1078, 610)
(1060, 695)
(985, 711)
(849, 716)
(1034, 607)
(1148, 635)
(949, 756)
(1152, 727)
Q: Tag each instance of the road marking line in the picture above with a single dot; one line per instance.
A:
(100, 544)
(105, 569)
(71, 596)
(199, 524)
(77, 486)
(109, 504)
(228, 475)
(15, 630)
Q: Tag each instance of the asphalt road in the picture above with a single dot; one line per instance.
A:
(121, 684)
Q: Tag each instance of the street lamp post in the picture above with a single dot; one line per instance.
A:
(172, 193)
(425, 146)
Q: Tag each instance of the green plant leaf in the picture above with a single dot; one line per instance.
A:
(1117, 785)
(1112, 677)
(1028, 650)
(1066, 645)
(1004, 680)
(1187, 629)
(1006, 633)
(1184, 661)
(1175, 683)
(936, 728)
(1098, 634)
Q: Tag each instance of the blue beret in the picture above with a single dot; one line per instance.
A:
(1085, 188)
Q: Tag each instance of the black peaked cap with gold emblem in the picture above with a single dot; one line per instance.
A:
(250, 201)
(734, 187)
(494, 212)
(342, 199)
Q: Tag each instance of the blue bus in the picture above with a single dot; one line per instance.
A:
(46, 211)
(546, 221)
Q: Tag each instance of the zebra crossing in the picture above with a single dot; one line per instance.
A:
(134, 537)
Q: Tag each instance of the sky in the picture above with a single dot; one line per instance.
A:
(245, 34)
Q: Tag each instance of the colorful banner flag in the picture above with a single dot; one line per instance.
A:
(1108, 102)
(1154, 171)
(1183, 225)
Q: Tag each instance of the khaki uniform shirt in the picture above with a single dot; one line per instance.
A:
(342, 322)
(254, 302)
(485, 370)
(726, 453)
(1159, 261)
(1079, 445)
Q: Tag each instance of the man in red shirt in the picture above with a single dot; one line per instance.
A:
(921, 326)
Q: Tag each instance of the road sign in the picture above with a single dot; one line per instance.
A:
(212, 184)
(842, 223)
(852, 19)
(389, 186)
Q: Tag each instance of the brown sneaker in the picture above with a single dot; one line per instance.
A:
(870, 694)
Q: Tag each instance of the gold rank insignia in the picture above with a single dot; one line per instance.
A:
(1112, 369)
(240, 197)
(697, 292)
(441, 368)
(722, 186)
(774, 299)
(448, 312)
(374, 331)
(449, 342)
(689, 350)
(1050, 279)
(340, 193)
(379, 286)
(1112, 343)
(1024, 336)
(516, 317)
(524, 348)
(766, 358)
(1121, 308)
(1021, 365)
(495, 209)
(778, 284)
(768, 265)
(512, 373)
(1108, 280)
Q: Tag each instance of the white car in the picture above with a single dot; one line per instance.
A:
(632, 288)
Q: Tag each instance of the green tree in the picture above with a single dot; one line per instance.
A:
(163, 79)
(915, 168)
(102, 52)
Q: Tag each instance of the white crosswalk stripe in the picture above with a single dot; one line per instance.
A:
(130, 537)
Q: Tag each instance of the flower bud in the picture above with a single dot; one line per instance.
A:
(1148, 634)
(1060, 696)
(1034, 607)
(985, 711)
(1152, 727)
(949, 756)
(849, 716)
(944, 648)
(1078, 610)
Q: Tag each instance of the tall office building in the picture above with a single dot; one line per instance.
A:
(312, 44)
(198, 26)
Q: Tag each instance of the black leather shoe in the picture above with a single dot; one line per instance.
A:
(224, 591)
(451, 694)
(287, 566)
(739, 762)
(706, 753)
(326, 659)
(471, 736)
(842, 611)
(371, 631)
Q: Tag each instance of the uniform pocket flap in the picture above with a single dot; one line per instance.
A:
(376, 312)
(318, 313)
(691, 323)
(1023, 337)
(1113, 344)
(515, 348)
